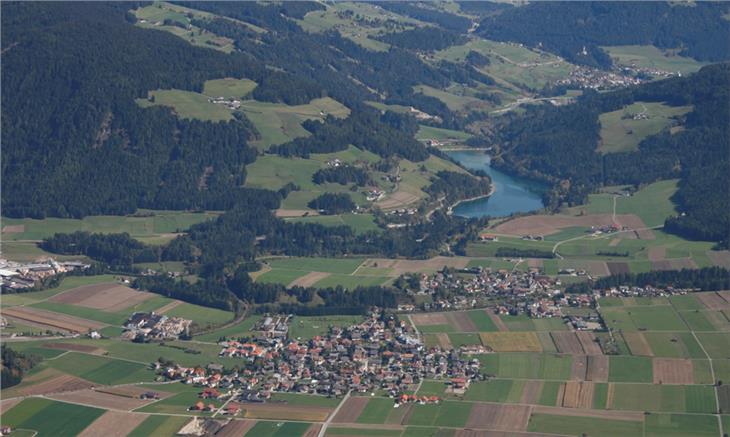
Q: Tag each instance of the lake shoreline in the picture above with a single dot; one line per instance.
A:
(509, 194)
(492, 190)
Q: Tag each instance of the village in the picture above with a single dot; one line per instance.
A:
(379, 354)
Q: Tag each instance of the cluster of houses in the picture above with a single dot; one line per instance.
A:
(520, 292)
(373, 355)
(229, 103)
(374, 194)
(507, 293)
(606, 229)
(591, 78)
(145, 326)
(20, 276)
(645, 291)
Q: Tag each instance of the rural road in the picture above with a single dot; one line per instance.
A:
(555, 247)
(323, 430)
(712, 372)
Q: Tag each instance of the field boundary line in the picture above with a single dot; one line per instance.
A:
(714, 383)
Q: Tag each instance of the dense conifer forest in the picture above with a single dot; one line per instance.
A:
(576, 30)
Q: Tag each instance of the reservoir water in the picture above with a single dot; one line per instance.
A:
(511, 195)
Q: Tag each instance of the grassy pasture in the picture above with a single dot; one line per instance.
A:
(344, 266)
(280, 276)
(456, 99)
(629, 369)
(101, 370)
(84, 312)
(496, 390)
(652, 57)
(661, 425)
(674, 344)
(482, 321)
(570, 425)
(351, 282)
(340, 16)
(178, 404)
(528, 366)
(157, 425)
(511, 65)
(511, 341)
(187, 104)
(664, 398)
(68, 283)
(448, 414)
(361, 223)
(238, 330)
(526, 323)
(153, 17)
(279, 123)
(278, 429)
(273, 172)
(717, 345)
(376, 411)
(228, 87)
(50, 418)
(305, 327)
(369, 431)
(621, 133)
(440, 134)
(656, 318)
(203, 316)
(148, 224)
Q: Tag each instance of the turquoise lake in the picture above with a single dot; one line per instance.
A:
(511, 194)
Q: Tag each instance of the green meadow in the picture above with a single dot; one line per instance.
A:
(49, 418)
(146, 224)
(620, 132)
(652, 57)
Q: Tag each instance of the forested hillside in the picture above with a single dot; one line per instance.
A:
(576, 30)
(74, 141)
(101, 153)
(558, 144)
